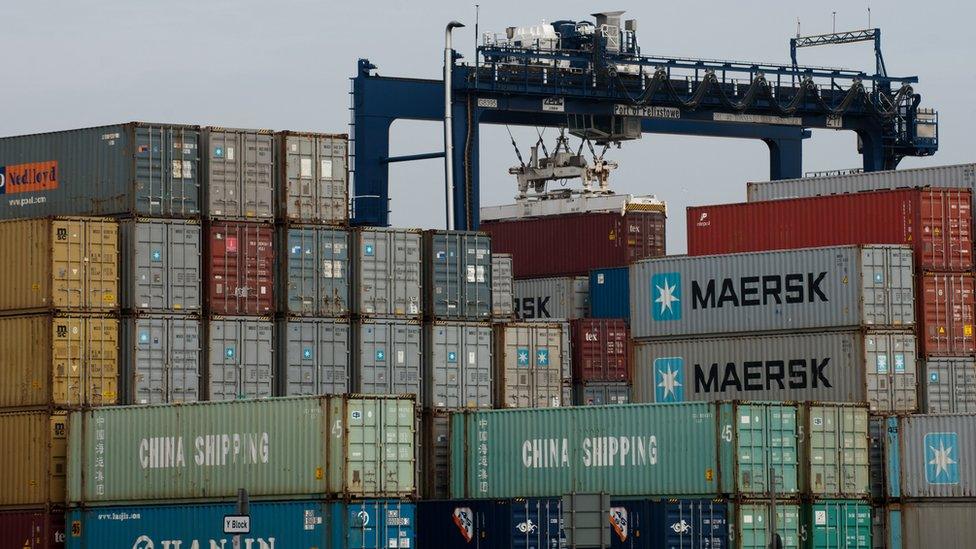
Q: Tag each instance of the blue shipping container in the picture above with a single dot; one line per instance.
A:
(533, 523)
(610, 293)
(669, 524)
(371, 524)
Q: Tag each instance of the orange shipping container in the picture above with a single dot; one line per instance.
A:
(947, 312)
(58, 360)
(32, 464)
(63, 264)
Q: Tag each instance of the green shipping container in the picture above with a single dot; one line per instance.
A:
(834, 451)
(624, 450)
(753, 528)
(838, 524)
(355, 446)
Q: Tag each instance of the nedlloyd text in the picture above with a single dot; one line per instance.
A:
(608, 451)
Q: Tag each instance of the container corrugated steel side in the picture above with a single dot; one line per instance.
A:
(239, 173)
(313, 273)
(286, 448)
(572, 245)
(59, 360)
(934, 456)
(313, 177)
(457, 365)
(137, 168)
(389, 357)
(600, 393)
(946, 314)
(552, 298)
(834, 451)
(680, 449)
(954, 176)
(529, 364)
(752, 524)
(435, 458)
(66, 264)
(160, 359)
(876, 367)
(948, 385)
(313, 356)
(32, 466)
(32, 529)
(773, 291)
(315, 524)
(240, 361)
(457, 271)
(160, 266)
(240, 268)
(502, 287)
(610, 293)
(923, 524)
(838, 524)
(387, 273)
(601, 350)
(938, 223)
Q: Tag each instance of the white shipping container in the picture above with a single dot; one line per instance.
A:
(948, 385)
(529, 370)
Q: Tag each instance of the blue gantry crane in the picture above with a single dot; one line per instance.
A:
(591, 78)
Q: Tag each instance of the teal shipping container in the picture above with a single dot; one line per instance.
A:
(368, 524)
(753, 524)
(834, 450)
(286, 448)
(636, 449)
(838, 524)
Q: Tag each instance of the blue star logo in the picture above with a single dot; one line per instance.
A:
(899, 363)
(452, 357)
(882, 364)
(368, 250)
(218, 152)
(144, 337)
(306, 353)
(941, 458)
(229, 352)
(666, 296)
(934, 377)
(157, 255)
(522, 356)
(669, 374)
(542, 357)
(380, 355)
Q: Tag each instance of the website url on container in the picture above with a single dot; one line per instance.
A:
(29, 201)
(119, 516)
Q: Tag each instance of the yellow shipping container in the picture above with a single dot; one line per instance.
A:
(61, 263)
(32, 463)
(58, 360)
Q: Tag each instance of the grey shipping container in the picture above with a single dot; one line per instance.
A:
(239, 166)
(435, 473)
(773, 291)
(313, 356)
(457, 365)
(502, 287)
(457, 271)
(528, 364)
(953, 176)
(313, 177)
(160, 265)
(241, 356)
(387, 273)
(585, 521)
(387, 358)
(136, 168)
(926, 524)
(875, 367)
(160, 359)
(314, 271)
(598, 394)
(552, 298)
(936, 456)
(948, 385)
(834, 450)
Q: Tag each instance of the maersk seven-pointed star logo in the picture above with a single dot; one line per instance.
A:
(666, 296)
(522, 356)
(542, 357)
(669, 376)
(941, 458)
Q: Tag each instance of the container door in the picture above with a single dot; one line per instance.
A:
(184, 360)
(257, 379)
(374, 524)
(147, 379)
(183, 267)
(225, 263)
(379, 450)
(257, 277)
(101, 267)
(224, 176)
(547, 360)
(890, 364)
(766, 437)
(300, 189)
(438, 455)
(331, 176)
(840, 524)
(754, 525)
(476, 281)
(946, 229)
(536, 524)
(257, 169)
(225, 359)
(476, 355)
(301, 262)
(374, 273)
(332, 351)
(151, 265)
(501, 287)
(645, 235)
(333, 261)
(300, 371)
(166, 171)
(405, 359)
(448, 272)
(888, 286)
(448, 364)
(692, 523)
(405, 273)
(68, 267)
(372, 375)
(102, 356)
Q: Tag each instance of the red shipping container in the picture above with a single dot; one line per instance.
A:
(946, 307)
(37, 529)
(937, 222)
(572, 245)
(240, 270)
(601, 350)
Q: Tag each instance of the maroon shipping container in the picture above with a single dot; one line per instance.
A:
(32, 529)
(600, 350)
(946, 309)
(240, 269)
(937, 222)
(572, 245)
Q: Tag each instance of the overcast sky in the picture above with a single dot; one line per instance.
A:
(285, 65)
